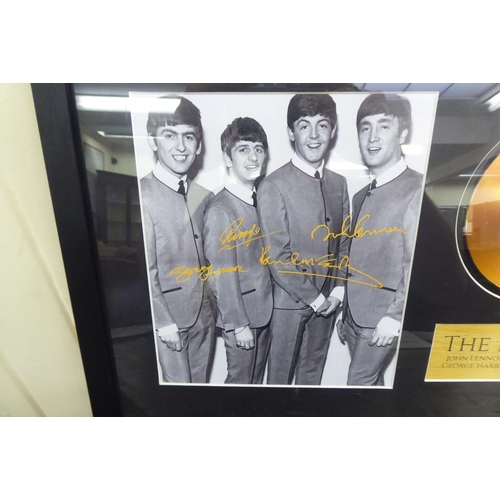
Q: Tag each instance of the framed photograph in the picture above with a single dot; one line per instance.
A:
(272, 249)
(264, 263)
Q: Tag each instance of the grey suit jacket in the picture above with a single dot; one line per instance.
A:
(173, 228)
(244, 292)
(290, 205)
(387, 255)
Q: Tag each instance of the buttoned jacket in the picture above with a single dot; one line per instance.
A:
(173, 225)
(233, 246)
(384, 226)
(301, 218)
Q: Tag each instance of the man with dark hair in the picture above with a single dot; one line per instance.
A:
(232, 241)
(385, 215)
(175, 110)
(311, 105)
(293, 201)
(173, 207)
(386, 104)
(242, 129)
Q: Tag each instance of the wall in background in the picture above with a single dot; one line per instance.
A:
(41, 372)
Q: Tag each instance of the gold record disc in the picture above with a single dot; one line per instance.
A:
(483, 224)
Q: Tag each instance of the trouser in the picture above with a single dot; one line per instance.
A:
(192, 364)
(246, 367)
(299, 346)
(368, 362)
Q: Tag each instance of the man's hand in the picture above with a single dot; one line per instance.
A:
(334, 303)
(173, 341)
(323, 307)
(382, 338)
(244, 339)
(341, 331)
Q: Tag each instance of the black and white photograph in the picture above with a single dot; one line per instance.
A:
(279, 232)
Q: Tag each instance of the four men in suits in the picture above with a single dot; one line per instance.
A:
(233, 242)
(292, 201)
(173, 208)
(294, 243)
(384, 223)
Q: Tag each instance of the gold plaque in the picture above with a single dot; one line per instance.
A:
(465, 353)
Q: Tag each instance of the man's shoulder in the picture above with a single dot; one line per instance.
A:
(151, 187)
(220, 200)
(330, 173)
(147, 180)
(283, 176)
(195, 191)
(413, 175)
(282, 172)
(200, 189)
(228, 202)
(408, 182)
(334, 176)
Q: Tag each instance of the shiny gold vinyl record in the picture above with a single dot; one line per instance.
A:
(478, 236)
(483, 221)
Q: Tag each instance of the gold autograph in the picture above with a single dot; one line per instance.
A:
(328, 261)
(359, 230)
(205, 272)
(233, 236)
(233, 233)
(325, 262)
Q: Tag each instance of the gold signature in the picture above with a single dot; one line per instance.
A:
(325, 262)
(233, 236)
(233, 233)
(205, 272)
(328, 261)
(359, 230)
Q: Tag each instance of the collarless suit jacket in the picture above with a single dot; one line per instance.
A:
(244, 293)
(173, 226)
(391, 213)
(303, 264)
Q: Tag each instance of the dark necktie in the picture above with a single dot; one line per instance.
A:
(316, 175)
(182, 189)
(254, 198)
(372, 185)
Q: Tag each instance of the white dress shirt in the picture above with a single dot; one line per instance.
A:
(170, 180)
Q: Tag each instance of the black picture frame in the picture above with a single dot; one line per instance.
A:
(63, 154)
(411, 396)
